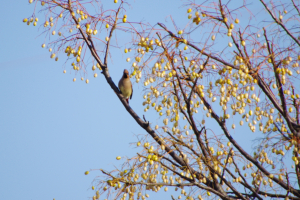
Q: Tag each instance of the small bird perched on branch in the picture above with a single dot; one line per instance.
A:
(125, 85)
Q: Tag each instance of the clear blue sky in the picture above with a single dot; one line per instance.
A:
(51, 129)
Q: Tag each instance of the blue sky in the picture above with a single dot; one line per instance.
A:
(53, 129)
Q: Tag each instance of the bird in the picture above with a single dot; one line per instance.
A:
(125, 86)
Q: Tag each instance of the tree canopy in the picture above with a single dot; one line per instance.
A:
(232, 69)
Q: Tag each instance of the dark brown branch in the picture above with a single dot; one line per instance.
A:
(245, 181)
(226, 161)
(296, 7)
(196, 48)
(246, 155)
(279, 84)
(110, 35)
(279, 23)
(183, 144)
(223, 196)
